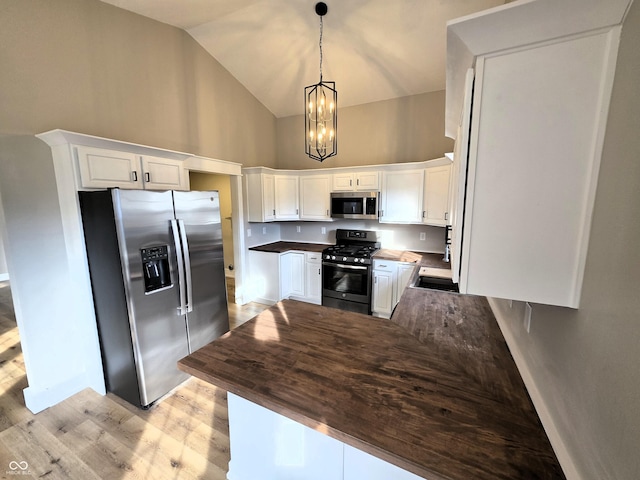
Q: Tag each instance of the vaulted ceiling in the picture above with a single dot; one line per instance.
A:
(373, 49)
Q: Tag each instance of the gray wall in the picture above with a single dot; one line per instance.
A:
(585, 362)
(86, 66)
(407, 129)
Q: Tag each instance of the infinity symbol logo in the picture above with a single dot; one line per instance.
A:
(13, 465)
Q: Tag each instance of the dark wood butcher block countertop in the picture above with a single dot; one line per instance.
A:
(434, 390)
(419, 258)
(281, 247)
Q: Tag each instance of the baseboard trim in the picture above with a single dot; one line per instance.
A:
(39, 399)
(557, 443)
(4, 277)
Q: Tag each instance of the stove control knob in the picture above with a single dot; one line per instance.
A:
(333, 257)
(344, 259)
(327, 257)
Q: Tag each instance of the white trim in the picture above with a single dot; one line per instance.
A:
(545, 415)
(4, 277)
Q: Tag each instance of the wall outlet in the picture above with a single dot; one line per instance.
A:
(423, 236)
(527, 317)
(298, 229)
(323, 230)
(264, 230)
(248, 232)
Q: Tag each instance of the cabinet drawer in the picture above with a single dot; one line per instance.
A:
(384, 265)
(313, 257)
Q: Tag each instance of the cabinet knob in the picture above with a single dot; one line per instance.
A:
(147, 177)
(134, 176)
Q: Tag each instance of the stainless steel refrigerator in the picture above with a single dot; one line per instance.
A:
(157, 274)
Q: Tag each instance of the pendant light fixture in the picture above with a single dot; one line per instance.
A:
(321, 117)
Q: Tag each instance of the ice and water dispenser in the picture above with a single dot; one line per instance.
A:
(155, 268)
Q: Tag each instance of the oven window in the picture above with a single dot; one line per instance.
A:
(344, 280)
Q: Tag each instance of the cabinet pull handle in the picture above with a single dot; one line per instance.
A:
(296, 211)
(446, 215)
(274, 211)
(350, 183)
(318, 271)
(423, 214)
(358, 181)
(134, 175)
(147, 177)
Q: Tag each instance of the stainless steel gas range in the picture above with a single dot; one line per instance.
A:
(347, 270)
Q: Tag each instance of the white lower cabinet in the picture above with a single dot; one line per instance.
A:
(313, 277)
(382, 293)
(390, 278)
(292, 275)
(264, 286)
(269, 446)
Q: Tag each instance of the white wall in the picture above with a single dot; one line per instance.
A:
(585, 363)
(59, 343)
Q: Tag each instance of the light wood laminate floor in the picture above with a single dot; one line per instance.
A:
(90, 436)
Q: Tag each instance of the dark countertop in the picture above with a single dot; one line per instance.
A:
(434, 390)
(281, 247)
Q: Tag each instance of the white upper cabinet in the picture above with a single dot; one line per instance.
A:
(402, 196)
(260, 189)
(163, 174)
(315, 191)
(104, 168)
(539, 114)
(356, 181)
(286, 197)
(437, 185)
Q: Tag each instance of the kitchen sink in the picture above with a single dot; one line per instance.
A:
(436, 283)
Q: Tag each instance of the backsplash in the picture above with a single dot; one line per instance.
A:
(397, 237)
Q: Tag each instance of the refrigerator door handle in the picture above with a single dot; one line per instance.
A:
(187, 265)
(182, 309)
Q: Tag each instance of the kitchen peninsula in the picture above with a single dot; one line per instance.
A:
(432, 393)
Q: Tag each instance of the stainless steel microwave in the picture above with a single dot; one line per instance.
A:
(358, 205)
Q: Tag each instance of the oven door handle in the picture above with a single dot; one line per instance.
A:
(342, 265)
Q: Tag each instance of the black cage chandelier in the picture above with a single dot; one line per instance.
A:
(321, 105)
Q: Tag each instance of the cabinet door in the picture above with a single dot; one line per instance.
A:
(164, 174)
(286, 197)
(437, 181)
(264, 274)
(102, 168)
(268, 197)
(313, 277)
(403, 276)
(402, 193)
(260, 193)
(292, 274)
(314, 197)
(367, 181)
(342, 182)
(382, 293)
(531, 184)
